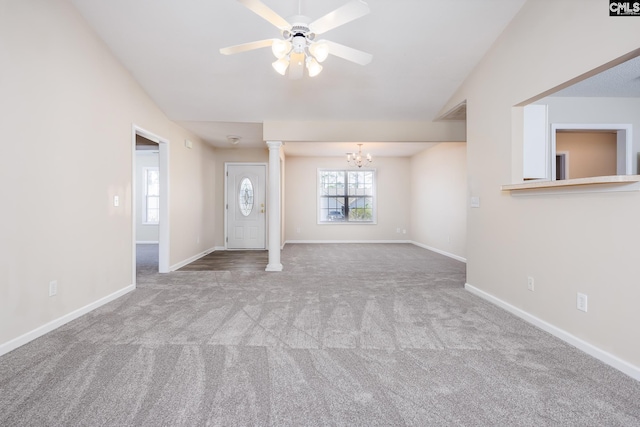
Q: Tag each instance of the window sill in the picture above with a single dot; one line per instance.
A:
(347, 223)
(579, 185)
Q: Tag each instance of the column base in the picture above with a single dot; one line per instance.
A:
(273, 267)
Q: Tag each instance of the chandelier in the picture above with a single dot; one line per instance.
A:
(298, 50)
(356, 159)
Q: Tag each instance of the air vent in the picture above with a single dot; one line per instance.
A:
(457, 113)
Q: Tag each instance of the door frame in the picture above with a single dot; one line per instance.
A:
(624, 143)
(164, 226)
(226, 202)
(564, 158)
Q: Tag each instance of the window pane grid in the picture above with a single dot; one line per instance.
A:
(152, 195)
(346, 196)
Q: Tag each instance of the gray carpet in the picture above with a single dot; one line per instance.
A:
(347, 335)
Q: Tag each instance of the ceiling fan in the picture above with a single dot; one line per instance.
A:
(298, 47)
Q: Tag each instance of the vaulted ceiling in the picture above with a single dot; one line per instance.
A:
(422, 51)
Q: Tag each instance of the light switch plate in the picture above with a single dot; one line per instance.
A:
(581, 303)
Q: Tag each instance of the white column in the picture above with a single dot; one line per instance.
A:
(273, 206)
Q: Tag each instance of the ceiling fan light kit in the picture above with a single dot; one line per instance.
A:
(298, 48)
(281, 48)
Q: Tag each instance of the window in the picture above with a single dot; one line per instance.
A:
(245, 197)
(151, 206)
(346, 196)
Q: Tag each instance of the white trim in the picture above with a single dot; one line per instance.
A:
(164, 235)
(441, 252)
(624, 143)
(146, 242)
(226, 199)
(219, 248)
(450, 255)
(565, 154)
(611, 187)
(54, 324)
(345, 241)
(590, 349)
(274, 206)
(189, 260)
(374, 197)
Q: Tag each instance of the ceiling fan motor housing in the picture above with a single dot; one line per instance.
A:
(299, 42)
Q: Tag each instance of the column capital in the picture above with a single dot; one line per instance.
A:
(274, 144)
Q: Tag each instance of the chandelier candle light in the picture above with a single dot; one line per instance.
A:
(356, 159)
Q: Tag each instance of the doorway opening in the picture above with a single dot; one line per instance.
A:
(562, 165)
(245, 210)
(150, 202)
(596, 149)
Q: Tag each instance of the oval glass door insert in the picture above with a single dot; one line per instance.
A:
(245, 197)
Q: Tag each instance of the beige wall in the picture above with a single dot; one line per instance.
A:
(393, 195)
(439, 198)
(66, 100)
(359, 131)
(588, 153)
(222, 156)
(510, 238)
(597, 111)
(192, 189)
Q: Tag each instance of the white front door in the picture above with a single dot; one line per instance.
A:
(246, 211)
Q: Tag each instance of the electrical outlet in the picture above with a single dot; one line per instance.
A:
(581, 302)
(53, 287)
(116, 201)
(398, 230)
(530, 284)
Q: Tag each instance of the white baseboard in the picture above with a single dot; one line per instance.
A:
(146, 242)
(441, 252)
(54, 324)
(181, 264)
(590, 349)
(344, 241)
(219, 248)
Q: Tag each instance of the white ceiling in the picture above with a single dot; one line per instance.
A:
(376, 149)
(621, 81)
(422, 51)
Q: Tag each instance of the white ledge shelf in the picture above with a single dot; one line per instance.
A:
(578, 185)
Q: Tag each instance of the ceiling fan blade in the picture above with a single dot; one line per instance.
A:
(348, 53)
(239, 48)
(263, 11)
(347, 13)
